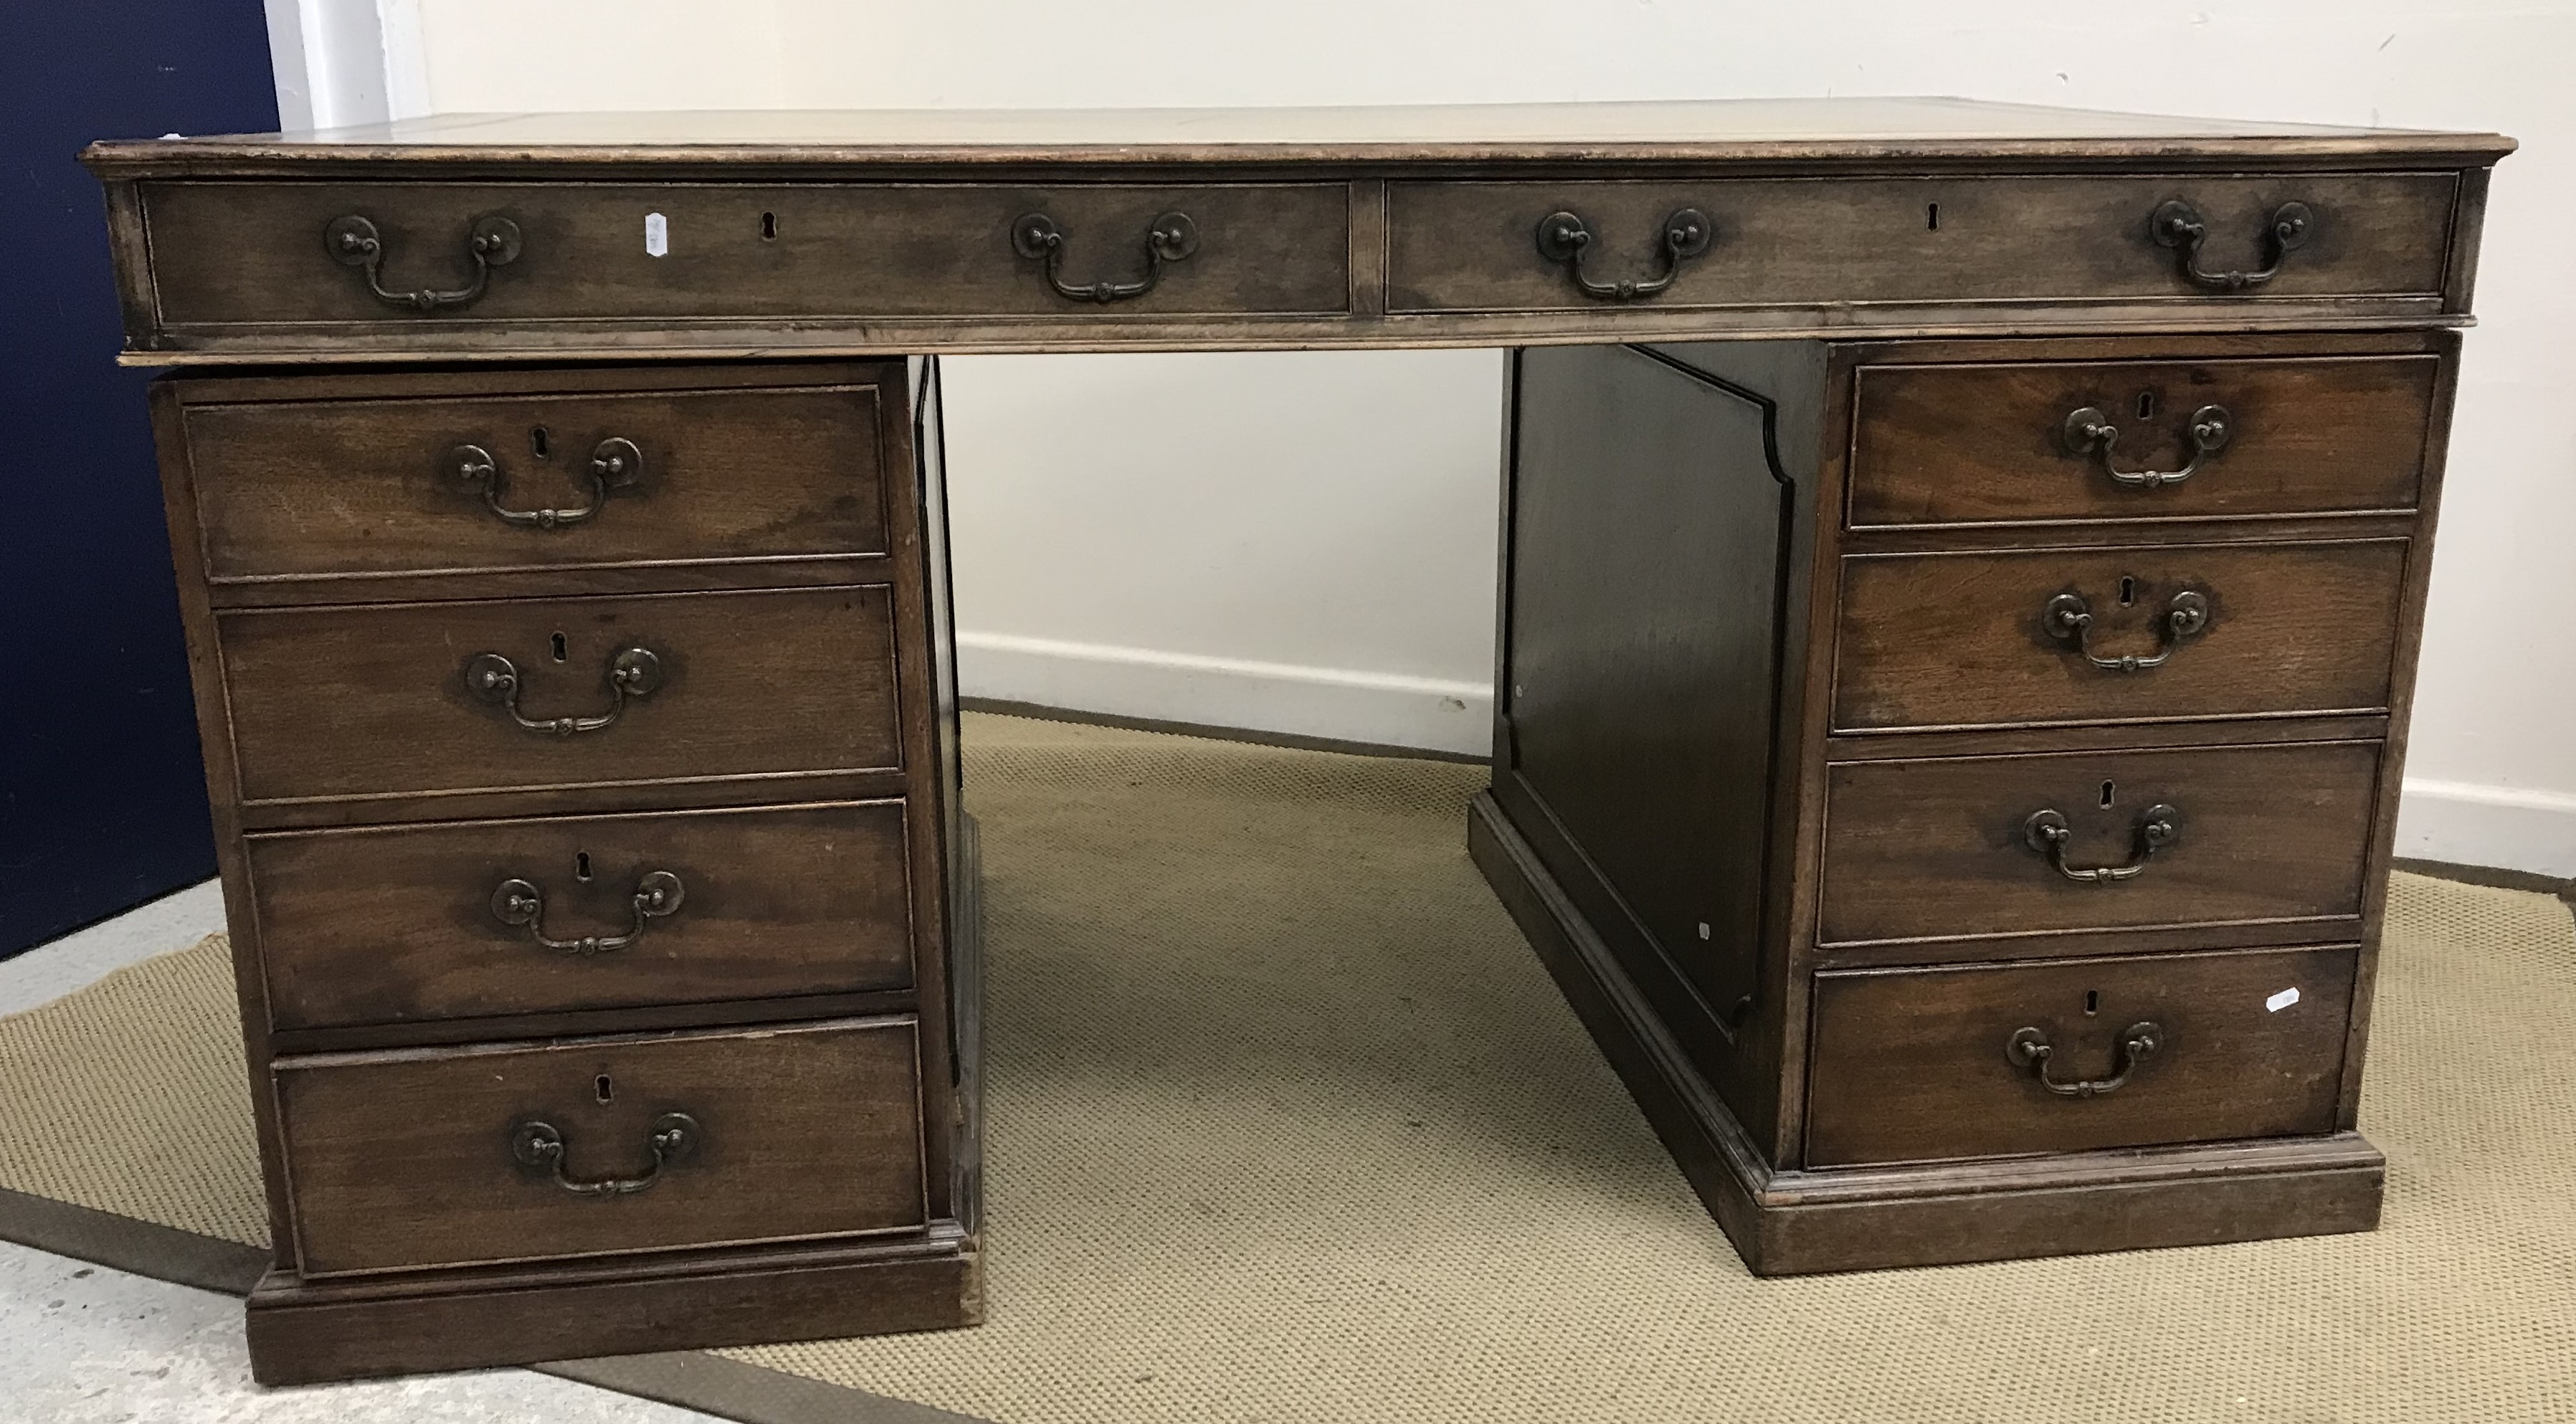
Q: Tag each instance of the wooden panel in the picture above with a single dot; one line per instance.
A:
(397, 923)
(1949, 640)
(1939, 847)
(230, 254)
(1973, 444)
(371, 486)
(1912, 1065)
(1646, 533)
(353, 702)
(405, 1160)
(1473, 246)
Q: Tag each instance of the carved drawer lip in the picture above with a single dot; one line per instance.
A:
(2030, 454)
(496, 1168)
(1946, 856)
(435, 952)
(578, 264)
(2012, 633)
(1846, 240)
(630, 528)
(2002, 1107)
(281, 769)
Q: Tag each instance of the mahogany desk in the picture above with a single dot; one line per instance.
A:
(1961, 575)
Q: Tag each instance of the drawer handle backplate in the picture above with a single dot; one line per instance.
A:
(2029, 1048)
(2048, 831)
(615, 463)
(634, 672)
(492, 242)
(2088, 429)
(2177, 224)
(2068, 618)
(522, 903)
(534, 1143)
(1563, 238)
(1039, 238)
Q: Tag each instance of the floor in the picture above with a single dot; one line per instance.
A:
(90, 1345)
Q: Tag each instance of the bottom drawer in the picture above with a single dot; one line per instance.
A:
(1986, 1061)
(586, 1147)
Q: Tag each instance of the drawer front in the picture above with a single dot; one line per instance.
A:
(397, 924)
(1947, 847)
(1992, 639)
(400, 700)
(1839, 242)
(1917, 1065)
(2020, 442)
(229, 255)
(401, 1161)
(289, 489)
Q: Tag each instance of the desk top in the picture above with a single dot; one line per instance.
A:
(1911, 130)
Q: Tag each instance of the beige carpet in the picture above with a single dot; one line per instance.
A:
(1287, 1124)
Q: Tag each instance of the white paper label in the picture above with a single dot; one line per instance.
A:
(657, 234)
(2281, 1000)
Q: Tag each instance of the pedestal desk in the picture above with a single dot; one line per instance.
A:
(1961, 574)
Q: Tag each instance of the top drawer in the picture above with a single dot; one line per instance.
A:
(1847, 242)
(249, 255)
(2073, 440)
(425, 474)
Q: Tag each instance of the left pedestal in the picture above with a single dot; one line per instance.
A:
(582, 747)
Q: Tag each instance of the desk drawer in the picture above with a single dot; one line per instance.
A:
(407, 699)
(436, 1158)
(1950, 847)
(1917, 1065)
(2023, 442)
(1983, 639)
(418, 477)
(1810, 242)
(397, 924)
(231, 255)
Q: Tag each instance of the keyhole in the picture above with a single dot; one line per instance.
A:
(1932, 217)
(2106, 804)
(2092, 1005)
(581, 859)
(2128, 591)
(561, 651)
(537, 441)
(606, 1091)
(769, 227)
(2146, 405)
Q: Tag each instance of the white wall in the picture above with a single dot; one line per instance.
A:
(1304, 542)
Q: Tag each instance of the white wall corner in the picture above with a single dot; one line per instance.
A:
(2467, 823)
(1389, 709)
(329, 60)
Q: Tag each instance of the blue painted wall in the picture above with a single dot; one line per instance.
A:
(102, 795)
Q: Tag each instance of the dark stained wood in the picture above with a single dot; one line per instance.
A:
(1934, 849)
(252, 255)
(1472, 247)
(371, 702)
(308, 1333)
(1752, 765)
(1910, 1065)
(1914, 131)
(1968, 444)
(368, 485)
(404, 1160)
(1647, 538)
(1956, 640)
(393, 924)
(1792, 1222)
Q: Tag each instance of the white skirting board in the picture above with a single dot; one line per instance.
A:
(2467, 823)
(2462, 822)
(1389, 709)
